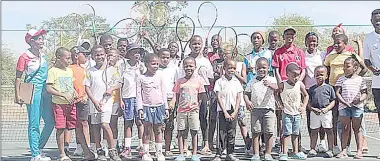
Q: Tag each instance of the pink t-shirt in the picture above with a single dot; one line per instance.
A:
(188, 90)
(151, 91)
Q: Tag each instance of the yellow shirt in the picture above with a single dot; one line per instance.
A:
(62, 81)
(336, 62)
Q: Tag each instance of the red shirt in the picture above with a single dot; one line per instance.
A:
(283, 56)
(212, 56)
(348, 48)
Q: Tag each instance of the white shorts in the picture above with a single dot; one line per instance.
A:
(101, 117)
(324, 120)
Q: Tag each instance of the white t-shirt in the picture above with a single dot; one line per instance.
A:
(204, 70)
(129, 74)
(261, 96)
(312, 61)
(169, 74)
(372, 52)
(229, 89)
(97, 79)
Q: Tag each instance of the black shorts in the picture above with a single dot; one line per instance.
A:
(83, 109)
(376, 98)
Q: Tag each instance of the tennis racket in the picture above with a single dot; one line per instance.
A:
(125, 28)
(244, 45)
(207, 16)
(67, 34)
(184, 30)
(159, 17)
(89, 11)
(228, 40)
(140, 12)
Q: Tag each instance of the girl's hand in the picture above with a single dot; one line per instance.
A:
(357, 40)
(249, 105)
(141, 114)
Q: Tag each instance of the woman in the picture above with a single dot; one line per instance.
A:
(33, 63)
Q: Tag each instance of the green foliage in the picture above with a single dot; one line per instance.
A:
(8, 66)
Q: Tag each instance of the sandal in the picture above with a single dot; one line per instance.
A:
(342, 156)
(365, 150)
(205, 152)
(65, 158)
(357, 156)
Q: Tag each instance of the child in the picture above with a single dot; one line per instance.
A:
(168, 72)
(129, 69)
(335, 63)
(257, 40)
(216, 52)
(113, 56)
(284, 55)
(337, 30)
(189, 91)
(106, 41)
(151, 101)
(351, 91)
(174, 57)
(291, 91)
(82, 130)
(322, 100)
(260, 100)
(101, 80)
(273, 41)
(313, 58)
(228, 90)
(205, 72)
(60, 85)
(122, 44)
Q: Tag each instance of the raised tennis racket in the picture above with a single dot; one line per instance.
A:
(141, 13)
(244, 45)
(159, 17)
(69, 34)
(125, 28)
(89, 11)
(228, 40)
(184, 30)
(207, 16)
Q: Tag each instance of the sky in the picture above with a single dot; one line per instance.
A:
(15, 15)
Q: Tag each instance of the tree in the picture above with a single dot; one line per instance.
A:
(72, 26)
(8, 66)
(168, 34)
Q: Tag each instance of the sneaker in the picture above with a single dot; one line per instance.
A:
(40, 158)
(78, 151)
(160, 157)
(126, 153)
(300, 156)
(268, 157)
(349, 151)
(255, 158)
(195, 158)
(336, 150)
(147, 157)
(101, 154)
(152, 146)
(188, 153)
(180, 158)
(224, 152)
(329, 154)
(141, 152)
(230, 157)
(283, 157)
(217, 158)
(43, 155)
(312, 153)
(93, 156)
(138, 148)
(113, 155)
(168, 153)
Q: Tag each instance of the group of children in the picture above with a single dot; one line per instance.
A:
(91, 88)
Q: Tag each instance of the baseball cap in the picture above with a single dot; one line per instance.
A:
(133, 46)
(33, 32)
(79, 49)
(290, 28)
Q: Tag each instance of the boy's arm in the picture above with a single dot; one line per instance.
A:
(359, 43)
(277, 74)
(278, 96)
(89, 94)
(305, 96)
(243, 76)
(164, 92)
(339, 96)
(363, 67)
(139, 100)
(237, 104)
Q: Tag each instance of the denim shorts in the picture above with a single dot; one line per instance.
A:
(154, 114)
(130, 111)
(291, 124)
(351, 112)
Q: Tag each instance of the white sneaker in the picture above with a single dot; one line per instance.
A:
(336, 150)
(160, 157)
(40, 158)
(78, 151)
(147, 157)
(224, 152)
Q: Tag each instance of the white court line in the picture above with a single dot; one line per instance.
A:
(375, 138)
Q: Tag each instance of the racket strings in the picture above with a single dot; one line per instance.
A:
(185, 29)
(227, 39)
(244, 45)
